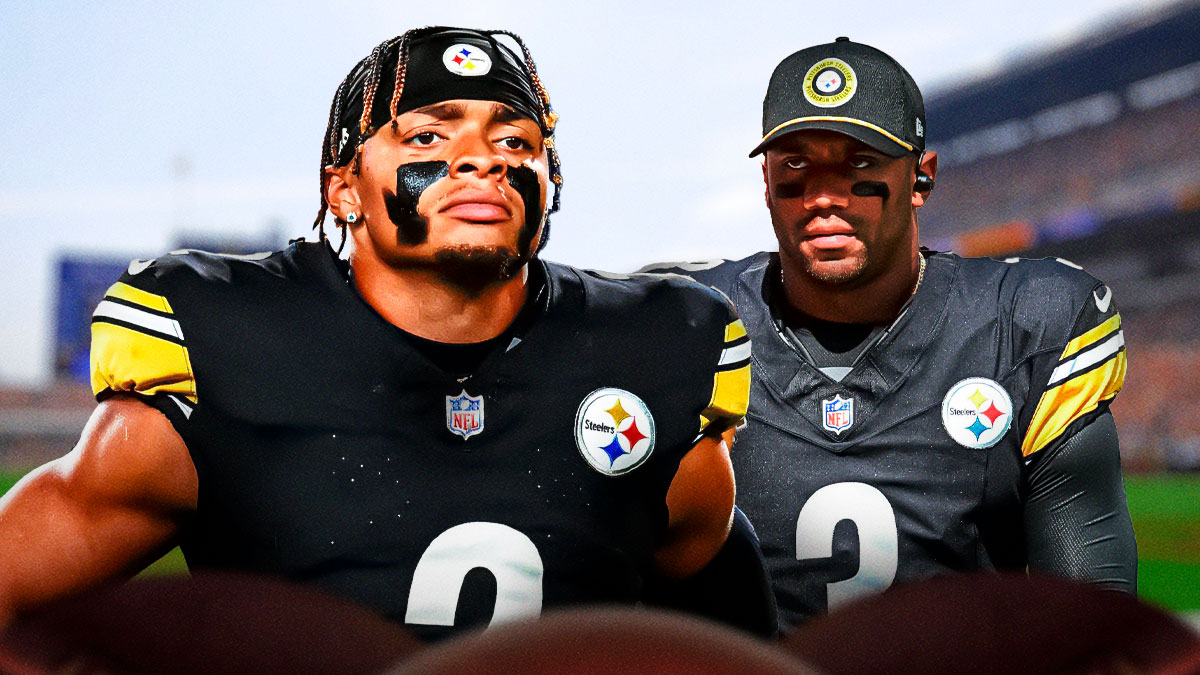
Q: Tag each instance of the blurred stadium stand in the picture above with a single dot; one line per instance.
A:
(1091, 152)
(1088, 151)
(41, 424)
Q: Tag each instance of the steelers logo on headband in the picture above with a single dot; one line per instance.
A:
(466, 60)
(830, 83)
(442, 64)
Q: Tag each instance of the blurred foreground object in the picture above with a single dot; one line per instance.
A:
(210, 623)
(986, 623)
(606, 640)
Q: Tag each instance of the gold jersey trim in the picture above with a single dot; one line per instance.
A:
(128, 360)
(137, 296)
(737, 347)
(1090, 371)
(731, 382)
(138, 346)
(734, 330)
(1092, 336)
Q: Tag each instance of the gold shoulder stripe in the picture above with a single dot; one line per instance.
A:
(731, 381)
(1092, 336)
(730, 398)
(127, 360)
(737, 347)
(137, 296)
(734, 330)
(1075, 397)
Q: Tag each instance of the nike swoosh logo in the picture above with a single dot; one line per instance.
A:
(138, 266)
(1103, 303)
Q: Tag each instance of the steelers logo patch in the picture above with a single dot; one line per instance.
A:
(614, 431)
(977, 412)
(830, 83)
(466, 60)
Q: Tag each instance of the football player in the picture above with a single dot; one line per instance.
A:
(444, 427)
(912, 412)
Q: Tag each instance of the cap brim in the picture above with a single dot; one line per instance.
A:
(867, 133)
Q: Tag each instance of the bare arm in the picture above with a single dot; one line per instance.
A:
(734, 588)
(103, 511)
(699, 507)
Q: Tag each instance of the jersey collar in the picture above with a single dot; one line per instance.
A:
(791, 380)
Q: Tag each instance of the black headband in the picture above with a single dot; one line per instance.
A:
(442, 64)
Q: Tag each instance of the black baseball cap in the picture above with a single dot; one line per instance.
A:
(846, 87)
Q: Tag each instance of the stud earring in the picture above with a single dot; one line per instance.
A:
(352, 217)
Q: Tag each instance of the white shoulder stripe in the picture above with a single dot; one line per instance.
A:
(734, 354)
(1087, 359)
(151, 322)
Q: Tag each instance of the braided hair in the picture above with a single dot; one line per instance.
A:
(368, 75)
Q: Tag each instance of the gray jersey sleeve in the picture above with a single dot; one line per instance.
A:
(1076, 519)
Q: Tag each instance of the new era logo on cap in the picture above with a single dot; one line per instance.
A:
(846, 87)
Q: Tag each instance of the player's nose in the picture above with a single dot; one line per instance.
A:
(476, 154)
(826, 190)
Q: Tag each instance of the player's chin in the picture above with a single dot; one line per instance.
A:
(476, 267)
(835, 269)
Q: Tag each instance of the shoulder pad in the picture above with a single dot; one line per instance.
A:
(1074, 337)
(138, 342)
(138, 345)
(707, 310)
(731, 383)
(718, 273)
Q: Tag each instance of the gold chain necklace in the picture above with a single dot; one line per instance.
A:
(920, 275)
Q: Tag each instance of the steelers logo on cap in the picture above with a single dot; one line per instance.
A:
(830, 83)
(466, 60)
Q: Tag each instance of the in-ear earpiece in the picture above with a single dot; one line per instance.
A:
(923, 183)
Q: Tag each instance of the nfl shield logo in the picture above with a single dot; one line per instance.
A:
(837, 413)
(464, 414)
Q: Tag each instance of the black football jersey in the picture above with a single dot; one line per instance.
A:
(330, 450)
(915, 462)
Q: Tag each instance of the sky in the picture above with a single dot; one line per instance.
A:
(123, 124)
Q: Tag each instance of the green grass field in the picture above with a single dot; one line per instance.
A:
(1166, 519)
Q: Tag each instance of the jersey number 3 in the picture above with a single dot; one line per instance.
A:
(878, 544)
(509, 555)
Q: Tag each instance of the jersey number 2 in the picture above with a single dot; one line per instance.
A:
(508, 554)
(878, 544)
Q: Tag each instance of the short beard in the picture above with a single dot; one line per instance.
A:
(836, 276)
(475, 268)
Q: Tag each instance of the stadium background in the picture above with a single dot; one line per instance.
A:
(1087, 149)
(1092, 153)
